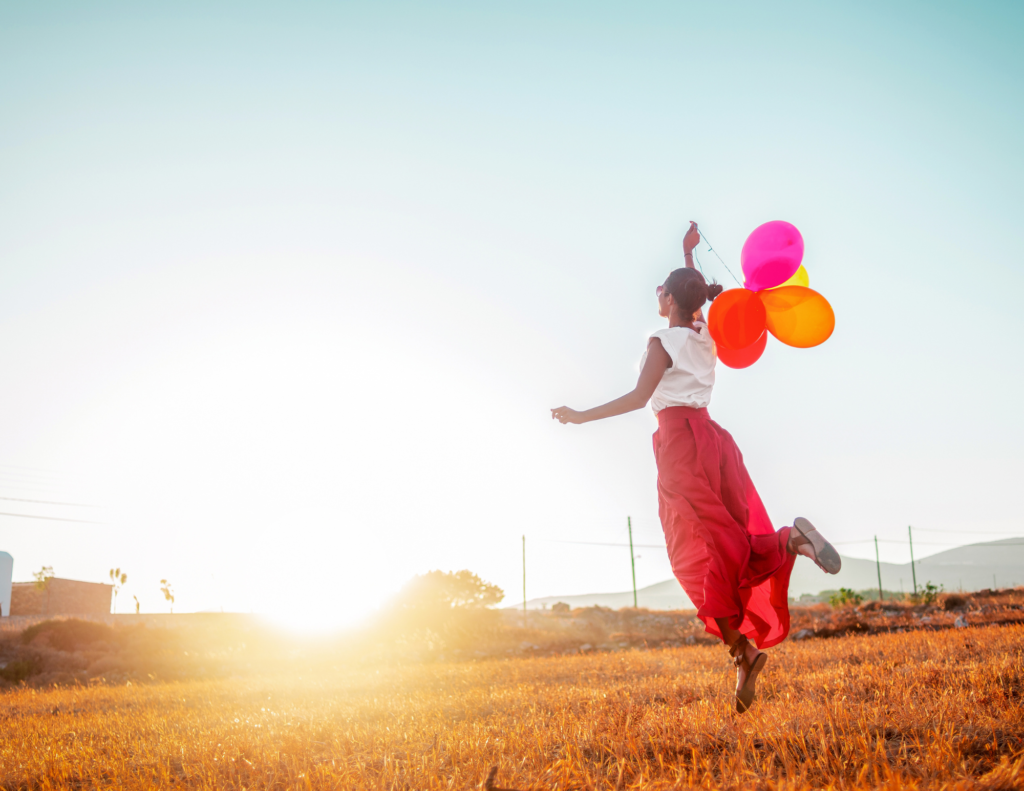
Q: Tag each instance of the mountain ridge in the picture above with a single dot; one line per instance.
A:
(970, 567)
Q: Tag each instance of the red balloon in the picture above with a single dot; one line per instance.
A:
(736, 319)
(743, 357)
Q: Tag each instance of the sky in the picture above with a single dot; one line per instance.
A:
(287, 290)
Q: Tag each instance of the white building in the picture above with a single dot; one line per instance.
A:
(6, 576)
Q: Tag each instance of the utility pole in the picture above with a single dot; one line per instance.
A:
(913, 571)
(878, 566)
(524, 580)
(632, 561)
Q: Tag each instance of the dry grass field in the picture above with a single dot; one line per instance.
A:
(922, 709)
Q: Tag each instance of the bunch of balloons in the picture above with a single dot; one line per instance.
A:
(775, 298)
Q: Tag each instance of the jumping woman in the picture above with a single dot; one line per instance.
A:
(725, 553)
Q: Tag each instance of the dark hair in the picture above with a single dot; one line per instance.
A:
(690, 291)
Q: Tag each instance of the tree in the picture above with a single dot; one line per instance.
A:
(168, 592)
(448, 590)
(118, 579)
(442, 608)
(42, 578)
(136, 604)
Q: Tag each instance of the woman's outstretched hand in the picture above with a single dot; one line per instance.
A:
(692, 238)
(565, 415)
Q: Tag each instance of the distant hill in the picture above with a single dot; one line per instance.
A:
(667, 595)
(969, 568)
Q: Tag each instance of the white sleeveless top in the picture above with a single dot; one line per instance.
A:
(692, 376)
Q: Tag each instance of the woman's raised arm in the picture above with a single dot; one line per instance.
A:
(691, 240)
(654, 368)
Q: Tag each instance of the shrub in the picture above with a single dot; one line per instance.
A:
(845, 596)
(928, 594)
(70, 634)
(18, 670)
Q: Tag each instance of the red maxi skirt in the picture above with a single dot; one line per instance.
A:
(724, 551)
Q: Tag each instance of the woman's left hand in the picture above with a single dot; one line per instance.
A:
(692, 238)
(565, 415)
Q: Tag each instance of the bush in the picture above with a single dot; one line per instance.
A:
(845, 596)
(18, 670)
(928, 594)
(953, 602)
(70, 634)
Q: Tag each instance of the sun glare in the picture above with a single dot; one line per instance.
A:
(306, 464)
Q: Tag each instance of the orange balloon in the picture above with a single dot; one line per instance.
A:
(736, 318)
(798, 316)
(743, 357)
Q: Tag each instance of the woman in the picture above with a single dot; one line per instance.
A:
(725, 553)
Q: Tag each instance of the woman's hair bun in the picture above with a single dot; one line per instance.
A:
(689, 289)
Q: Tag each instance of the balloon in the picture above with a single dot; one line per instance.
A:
(797, 316)
(771, 255)
(736, 318)
(743, 357)
(801, 278)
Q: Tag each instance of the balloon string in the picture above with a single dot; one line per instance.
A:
(699, 266)
(713, 250)
(697, 259)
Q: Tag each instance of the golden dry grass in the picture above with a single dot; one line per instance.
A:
(913, 710)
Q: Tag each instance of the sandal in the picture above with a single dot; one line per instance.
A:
(823, 554)
(745, 691)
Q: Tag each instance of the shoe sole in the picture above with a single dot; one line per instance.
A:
(827, 558)
(745, 694)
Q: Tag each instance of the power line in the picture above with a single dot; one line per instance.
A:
(857, 541)
(982, 532)
(958, 546)
(923, 543)
(22, 487)
(52, 518)
(47, 502)
(604, 544)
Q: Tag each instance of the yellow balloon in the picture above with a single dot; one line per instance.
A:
(800, 278)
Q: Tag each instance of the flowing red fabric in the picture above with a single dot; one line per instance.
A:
(725, 553)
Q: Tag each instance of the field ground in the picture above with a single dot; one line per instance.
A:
(921, 709)
(117, 649)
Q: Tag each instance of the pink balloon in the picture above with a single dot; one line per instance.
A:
(771, 255)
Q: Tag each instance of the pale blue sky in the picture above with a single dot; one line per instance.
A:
(289, 287)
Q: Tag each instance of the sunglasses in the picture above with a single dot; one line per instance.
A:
(659, 290)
